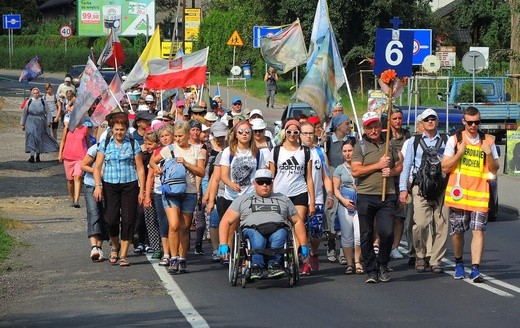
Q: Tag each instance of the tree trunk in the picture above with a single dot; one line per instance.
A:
(515, 47)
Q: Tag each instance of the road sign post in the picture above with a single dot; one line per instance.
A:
(235, 40)
(66, 32)
(11, 22)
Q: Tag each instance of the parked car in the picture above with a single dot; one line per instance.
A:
(292, 110)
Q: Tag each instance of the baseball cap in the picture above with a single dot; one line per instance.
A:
(210, 117)
(234, 100)
(313, 120)
(428, 112)
(180, 103)
(213, 104)
(219, 129)
(256, 112)
(144, 115)
(258, 124)
(263, 174)
(370, 117)
(67, 79)
(149, 98)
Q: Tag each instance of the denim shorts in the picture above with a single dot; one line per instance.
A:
(185, 202)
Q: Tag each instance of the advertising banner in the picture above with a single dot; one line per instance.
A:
(127, 18)
(513, 152)
(191, 24)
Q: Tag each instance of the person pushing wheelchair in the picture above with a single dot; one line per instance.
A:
(263, 217)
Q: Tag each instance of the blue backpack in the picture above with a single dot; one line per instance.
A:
(173, 178)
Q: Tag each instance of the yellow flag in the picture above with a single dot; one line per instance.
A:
(140, 71)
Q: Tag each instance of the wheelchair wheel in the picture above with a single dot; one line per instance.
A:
(234, 260)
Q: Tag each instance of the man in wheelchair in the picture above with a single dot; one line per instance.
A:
(263, 217)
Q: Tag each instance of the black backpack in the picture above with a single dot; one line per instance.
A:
(307, 154)
(429, 177)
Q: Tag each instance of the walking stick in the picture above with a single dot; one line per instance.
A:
(387, 143)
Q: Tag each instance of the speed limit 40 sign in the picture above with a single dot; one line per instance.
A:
(66, 31)
(393, 53)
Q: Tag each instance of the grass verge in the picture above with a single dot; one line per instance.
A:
(6, 241)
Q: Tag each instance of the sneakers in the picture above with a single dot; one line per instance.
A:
(198, 249)
(174, 266)
(331, 255)
(225, 260)
(183, 266)
(165, 261)
(94, 253)
(372, 278)
(383, 275)
(275, 271)
(306, 269)
(475, 275)
(156, 255)
(459, 271)
(342, 259)
(395, 254)
(139, 249)
(256, 271)
(314, 262)
(149, 249)
(215, 257)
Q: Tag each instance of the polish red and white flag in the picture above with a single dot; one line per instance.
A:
(187, 70)
(112, 55)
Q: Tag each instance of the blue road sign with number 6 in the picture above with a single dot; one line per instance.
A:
(393, 54)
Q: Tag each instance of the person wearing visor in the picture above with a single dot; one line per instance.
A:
(250, 211)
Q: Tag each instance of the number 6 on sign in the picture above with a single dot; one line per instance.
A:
(393, 54)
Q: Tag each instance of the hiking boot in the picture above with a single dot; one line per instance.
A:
(256, 271)
(306, 269)
(383, 275)
(459, 271)
(198, 249)
(275, 271)
(314, 262)
(475, 275)
(372, 278)
(395, 254)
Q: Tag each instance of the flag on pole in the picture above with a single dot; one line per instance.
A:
(112, 54)
(109, 100)
(91, 86)
(319, 88)
(140, 71)
(32, 70)
(180, 53)
(181, 72)
(286, 49)
(217, 90)
(322, 28)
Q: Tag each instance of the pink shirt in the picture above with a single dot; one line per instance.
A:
(75, 145)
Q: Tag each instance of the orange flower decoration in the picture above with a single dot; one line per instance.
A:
(388, 76)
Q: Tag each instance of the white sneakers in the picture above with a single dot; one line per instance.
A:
(96, 254)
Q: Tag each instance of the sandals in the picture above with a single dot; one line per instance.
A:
(420, 265)
(123, 261)
(359, 268)
(114, 255)
(350, 269)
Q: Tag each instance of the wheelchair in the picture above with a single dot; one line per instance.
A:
(241, 255)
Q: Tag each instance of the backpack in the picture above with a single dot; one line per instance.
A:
(27, 102)
(173, 178)
(429, 177)
(276, 154)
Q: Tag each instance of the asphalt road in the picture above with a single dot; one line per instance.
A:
(56, 284)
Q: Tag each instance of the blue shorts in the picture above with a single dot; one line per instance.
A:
(315, 223)
(185, 202)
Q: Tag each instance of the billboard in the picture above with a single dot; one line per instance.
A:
(127, 17)
(191, 24)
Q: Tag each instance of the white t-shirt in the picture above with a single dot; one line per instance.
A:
(242, 169)
(192, 155)
(290, 172)
(317, 176)
(450, 146)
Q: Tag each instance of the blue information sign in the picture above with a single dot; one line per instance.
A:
(422, 45)
(394, 52)
(260, 31)
(12, 21)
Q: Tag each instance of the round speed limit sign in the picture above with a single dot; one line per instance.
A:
(66, 31)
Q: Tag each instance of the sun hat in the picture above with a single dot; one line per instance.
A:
(210, 117)
(258, 124)
(219, 129)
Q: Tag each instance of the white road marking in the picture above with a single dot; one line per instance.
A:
(180, 299)
(487, 279)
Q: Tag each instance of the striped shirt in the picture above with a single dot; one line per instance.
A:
(119, 161)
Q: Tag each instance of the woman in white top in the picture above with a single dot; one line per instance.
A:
(292, 171)
(179, 209)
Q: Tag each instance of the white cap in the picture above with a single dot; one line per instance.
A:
(258, 124)
(263, 173)
(160, 114)
(204, 127)
(142, 107)
(67, 79)
(370, 117)
(256, 111)
(149, 98)
(428, 112)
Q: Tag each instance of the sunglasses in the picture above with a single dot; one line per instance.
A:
(473, 122)
(237, 104)
(247, 131)
(258, 131)
(430, 119)
(264, 182)
(292, 132)
(166, 120)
